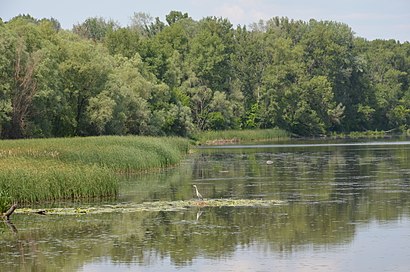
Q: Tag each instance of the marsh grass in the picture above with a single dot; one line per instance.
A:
(361, 134)
(232, 136)
(38, 170)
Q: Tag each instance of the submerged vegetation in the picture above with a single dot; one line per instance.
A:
(74, 168)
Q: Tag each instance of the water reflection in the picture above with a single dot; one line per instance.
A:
(336, 196)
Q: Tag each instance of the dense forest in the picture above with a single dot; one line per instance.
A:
(183, 76)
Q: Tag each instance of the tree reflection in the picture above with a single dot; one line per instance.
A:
(329, 192)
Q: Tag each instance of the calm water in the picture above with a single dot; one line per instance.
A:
(346, 209)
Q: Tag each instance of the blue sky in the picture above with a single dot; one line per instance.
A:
(371, 19)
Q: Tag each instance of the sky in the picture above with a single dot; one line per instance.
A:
(370, 19)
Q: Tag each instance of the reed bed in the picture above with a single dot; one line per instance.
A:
(38, 170)
(28, 181)
(233, 136)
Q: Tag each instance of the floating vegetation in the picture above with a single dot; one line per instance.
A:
(153, 206)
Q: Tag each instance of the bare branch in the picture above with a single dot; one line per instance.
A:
(10, 211)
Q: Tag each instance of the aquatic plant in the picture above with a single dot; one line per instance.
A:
(52, 169)
(5, 201)
(232, 136)
(156, 206)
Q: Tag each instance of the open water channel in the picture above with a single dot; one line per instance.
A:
(345, 207)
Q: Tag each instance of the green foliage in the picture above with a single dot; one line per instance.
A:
(123, 41)
(5, 200)
(95, 28)
(175, 16)
(72, 168)
(182, 76)
(48, 180)
(211, 137)
(7, 48)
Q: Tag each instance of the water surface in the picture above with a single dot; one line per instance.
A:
(346, 208)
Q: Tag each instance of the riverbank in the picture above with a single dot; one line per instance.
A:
(38, 170)
(236, 136)
(371, 134)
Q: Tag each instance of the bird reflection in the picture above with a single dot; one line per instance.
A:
(198, 214)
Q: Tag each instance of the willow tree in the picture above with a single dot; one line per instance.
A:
(26, 54)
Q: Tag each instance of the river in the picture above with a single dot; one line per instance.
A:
(344, 206)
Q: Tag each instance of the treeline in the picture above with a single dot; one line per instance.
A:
(183, 76)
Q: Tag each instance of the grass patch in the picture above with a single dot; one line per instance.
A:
(38, 170)
(360, 134)
(234, 136)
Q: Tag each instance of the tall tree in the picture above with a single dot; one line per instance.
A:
(249, 63)
(124, 41)
(95, 28)
(26, 61)
(329, 52)
(85, 72)
(7, 55)
(175, 16)
(210, 54)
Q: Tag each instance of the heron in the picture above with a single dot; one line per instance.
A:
(197, 193)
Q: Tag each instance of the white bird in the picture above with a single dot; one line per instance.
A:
(197, 193)
(269, 162)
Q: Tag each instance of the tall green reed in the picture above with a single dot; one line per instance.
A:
(73, 168)
(209, 137)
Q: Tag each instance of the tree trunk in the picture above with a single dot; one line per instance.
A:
(10, 211)
(24, 90)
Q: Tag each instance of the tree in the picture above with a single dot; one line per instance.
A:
(26, 61)
(127, 92)
(175, 16)
(145, 25)
(249, 62)
(95, 28)
(172, 52)
(222, 115)
(321, 110)
(201, 99)
(210, 54)
(140, 22)
(280, 91)
(123, 41)
(33, 79)
(329, 52)
(100, 111)
(172, 79)
(7, 53)
(85, 71)
(388, 72)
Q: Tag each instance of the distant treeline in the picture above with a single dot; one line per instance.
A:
(183, 76)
